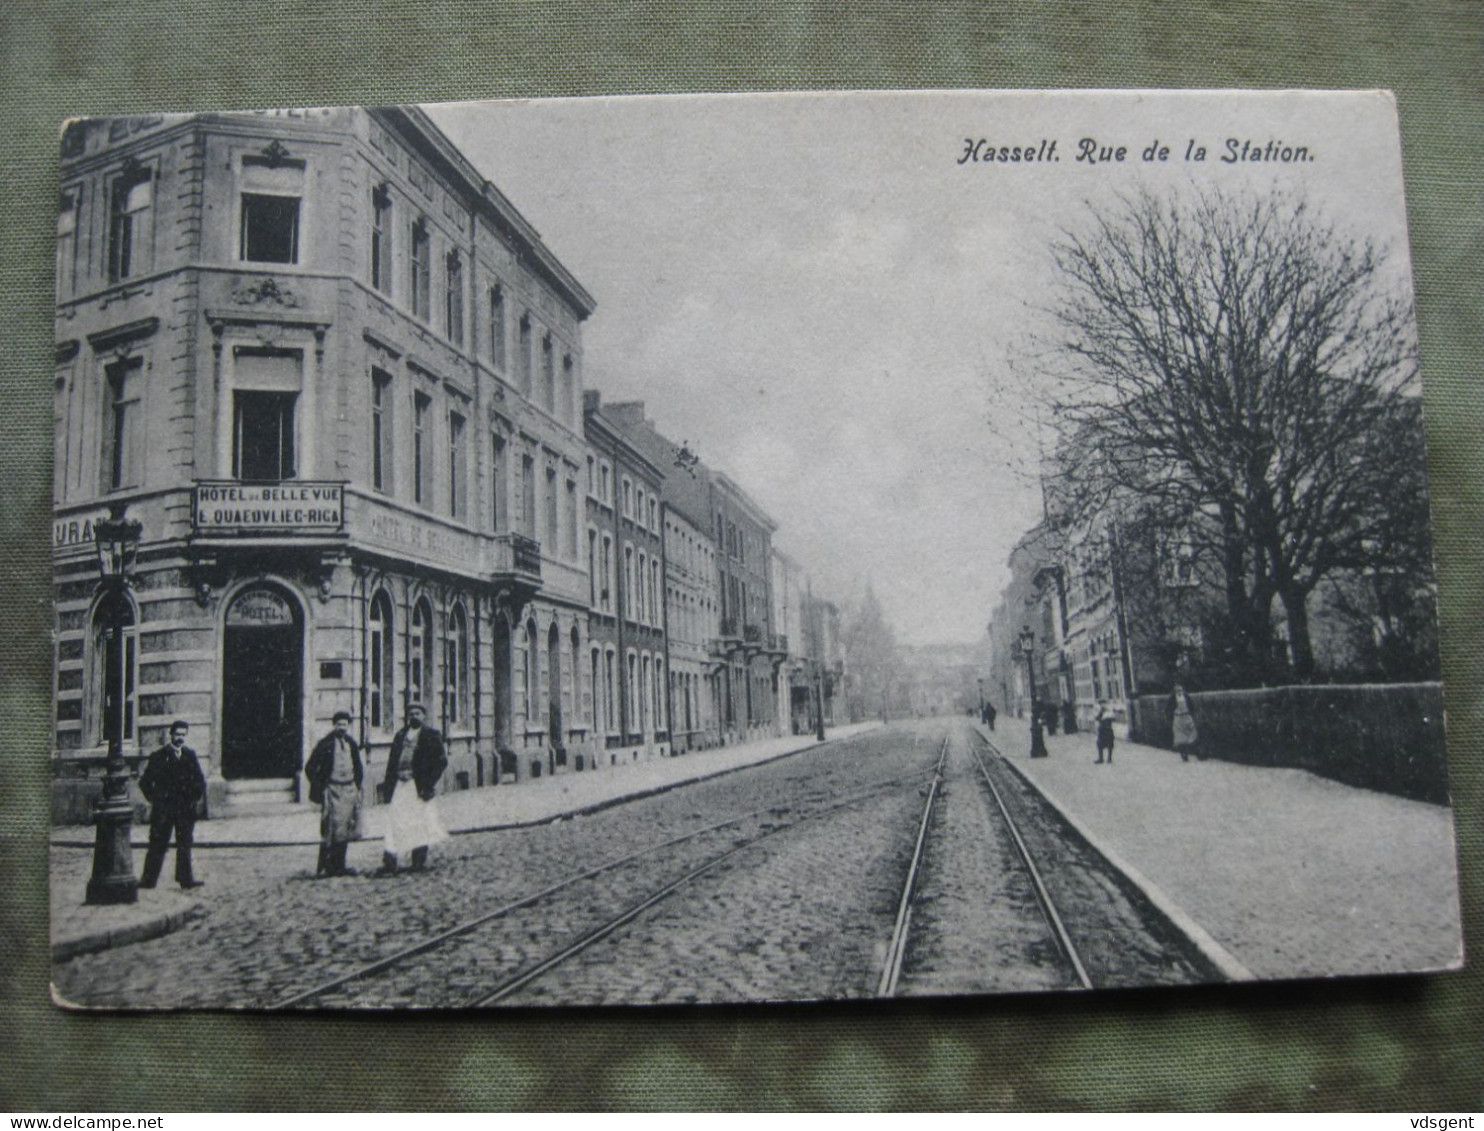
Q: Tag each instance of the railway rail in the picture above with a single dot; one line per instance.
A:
(512, 983)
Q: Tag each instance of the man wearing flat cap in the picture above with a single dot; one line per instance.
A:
(335, 772)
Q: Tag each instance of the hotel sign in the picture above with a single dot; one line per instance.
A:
(250, 508)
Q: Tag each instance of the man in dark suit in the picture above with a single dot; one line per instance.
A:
(174, 786)
(416, 762)
(334, 771)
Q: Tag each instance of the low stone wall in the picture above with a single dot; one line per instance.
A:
(1379, 736)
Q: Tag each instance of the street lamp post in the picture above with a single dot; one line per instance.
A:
(819, 692)
(113, 879)
(1028, 649)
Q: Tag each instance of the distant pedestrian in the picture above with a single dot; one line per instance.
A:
(989, 714)
(1104, 721)
(416, 762)
(175, 787)
(1185, 734)
(1050, 713)
(335, 773)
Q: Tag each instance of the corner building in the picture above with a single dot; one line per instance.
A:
(338, 378)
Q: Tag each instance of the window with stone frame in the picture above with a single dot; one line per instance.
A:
(421, 267)
(271, 196)
(453, 297)
(68, 210)
(123, 444)
(381, 430)
(497, 327)
(131, 223)
(381, 238)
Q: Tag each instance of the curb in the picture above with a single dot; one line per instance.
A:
(1227, 963)
(94, 941)
(524, 823)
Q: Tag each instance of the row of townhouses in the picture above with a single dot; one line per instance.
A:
(1118, 606)
(340, 381)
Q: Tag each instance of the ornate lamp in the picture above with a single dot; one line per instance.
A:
(1027, 640)
(113, 879)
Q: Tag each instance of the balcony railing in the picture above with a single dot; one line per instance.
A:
(752, 633)
(519, 558)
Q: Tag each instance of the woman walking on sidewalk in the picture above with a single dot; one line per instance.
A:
(1185, 732)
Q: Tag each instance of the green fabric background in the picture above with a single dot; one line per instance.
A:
(1401, 1043)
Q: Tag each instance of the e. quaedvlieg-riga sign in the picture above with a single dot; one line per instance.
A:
(304, 507)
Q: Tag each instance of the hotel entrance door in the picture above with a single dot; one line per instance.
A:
(262, 686)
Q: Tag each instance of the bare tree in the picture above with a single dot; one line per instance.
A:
(1236, 364)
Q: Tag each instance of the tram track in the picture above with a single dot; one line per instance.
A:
(775, 819)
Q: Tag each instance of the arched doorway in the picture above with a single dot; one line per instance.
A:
(262, 685)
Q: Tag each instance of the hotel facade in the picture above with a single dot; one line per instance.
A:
(338, 379)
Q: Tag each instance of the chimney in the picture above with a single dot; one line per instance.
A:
(592, 400)
(630, 413)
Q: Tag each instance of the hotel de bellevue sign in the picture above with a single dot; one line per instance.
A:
(250, 508)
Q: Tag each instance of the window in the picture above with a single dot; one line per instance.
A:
(592, 476)
(569, 386)
(646, 716)
(130, 230)
(528, 675)
(381, 239)
(659, 694)
(1177, 561)
(606, 484)
(654, 514)
(453, 304)
(524, 350)
(106, 674)
(121, 443)
(456, 668)
(628, 582)
(592, 569)
(633, 711)
(628, 498)
(381, 430)
(639, 505)
(263, 436)
(605, 595)
(379, 667)
(610, 716)
(572, 520)
(597, 685)
(421, 485)
(497, 327)
(457, 490)
(637, 591)
(528, 496)
(551, 512)
(498, 519)
(420, 268)
(548, 374)
(67, 242)
(270, 228)
(420, 654)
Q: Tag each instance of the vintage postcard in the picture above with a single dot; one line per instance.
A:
(741, 549)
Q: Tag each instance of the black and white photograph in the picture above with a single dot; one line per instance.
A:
(664, 550)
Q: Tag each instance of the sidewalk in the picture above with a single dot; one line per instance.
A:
(1288, 874)
(78, 928)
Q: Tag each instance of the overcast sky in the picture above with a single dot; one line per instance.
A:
(813, 292)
